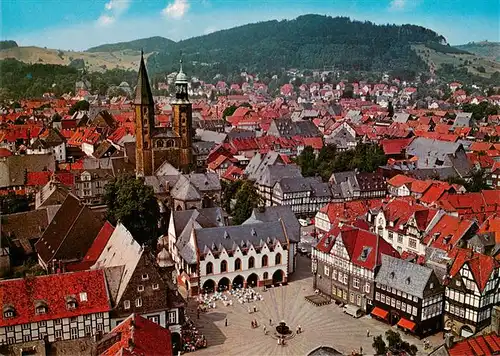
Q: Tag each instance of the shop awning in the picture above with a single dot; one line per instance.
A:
(379, 312)
(404, 323)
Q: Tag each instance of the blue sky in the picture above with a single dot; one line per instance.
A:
(80, 24)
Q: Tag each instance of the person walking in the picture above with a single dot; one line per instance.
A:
(265, 330)
(367, 332)
(226, 322)
(270, 322)
(255, 309)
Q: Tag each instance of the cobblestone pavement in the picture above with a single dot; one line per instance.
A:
(322, 326)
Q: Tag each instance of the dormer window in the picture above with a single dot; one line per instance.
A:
(9, 311)
(145, 277)
(70, 303)
(40, 307)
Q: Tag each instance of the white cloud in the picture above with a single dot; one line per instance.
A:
(176, 9)
(117, 6)
(105, 20)
(397, 5)
(112, 11)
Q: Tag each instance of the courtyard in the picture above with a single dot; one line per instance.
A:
(321, 326)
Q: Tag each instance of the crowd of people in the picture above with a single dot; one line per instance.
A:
(192, 339)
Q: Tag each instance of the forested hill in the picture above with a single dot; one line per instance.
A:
(484, 49)
(151, 44)
(309, 41)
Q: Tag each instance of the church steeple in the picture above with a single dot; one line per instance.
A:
(143, 94)
(181, 86)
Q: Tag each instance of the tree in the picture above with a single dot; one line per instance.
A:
(247, 199)
(307, 162)
(133, 204)
(390, 109)
(82, 105)
(13, 203)
(379, 345)
(229, 111)
(397, 345)
(229, 191)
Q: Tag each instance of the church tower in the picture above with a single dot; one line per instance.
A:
(144, 123)
(182, 120)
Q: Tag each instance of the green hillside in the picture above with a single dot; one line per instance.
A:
(486, 49)
(309, 41)
(151, 44)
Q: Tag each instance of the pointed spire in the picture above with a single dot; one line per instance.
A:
(143, 94)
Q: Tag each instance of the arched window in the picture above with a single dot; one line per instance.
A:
(266, 275)
(223, 266)
(264, 261)
(251, 262)
(170, 143)
(237, 264)
(277, 259)
(210, 268)
(159, 143)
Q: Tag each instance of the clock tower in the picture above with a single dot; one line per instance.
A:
(182, 120)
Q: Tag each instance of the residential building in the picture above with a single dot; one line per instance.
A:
(403, 224)
(139, 332)
(305, 195)
(471, 291)
(136, 284)
(354, 185)
(270, 176)
(344, 265)
(89, 185)
(55, 307)
(409, 296)
(69, 235)
(49, 142)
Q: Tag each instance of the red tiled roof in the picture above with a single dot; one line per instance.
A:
(399, 180)
(53, 290)
(147, 338)
(5, 152)
(481, 266)
(447, 232)
(349, 211)
(492, 224)
(356, 241)
(395, 146)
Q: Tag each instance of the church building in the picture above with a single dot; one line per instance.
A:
(154, 144)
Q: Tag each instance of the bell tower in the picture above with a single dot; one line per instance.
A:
(144, 123)
(182, 119)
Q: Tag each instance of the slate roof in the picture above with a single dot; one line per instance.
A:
(22, 228)
(275, 213)
(13, 169)
(400, 117)
(143, 94)
(52, 290)
(259, 162)
(205, 181)
(288, 128)
(228, 237)
(70, 233)
(273, 174)
(429, 151)
(405, 276)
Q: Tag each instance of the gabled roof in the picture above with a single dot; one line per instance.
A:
(480, 345)
(136, 336)
(51, 291)
(121, 250)
(70, 233)
(447, 232)
(481, 266)
(405, 276)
